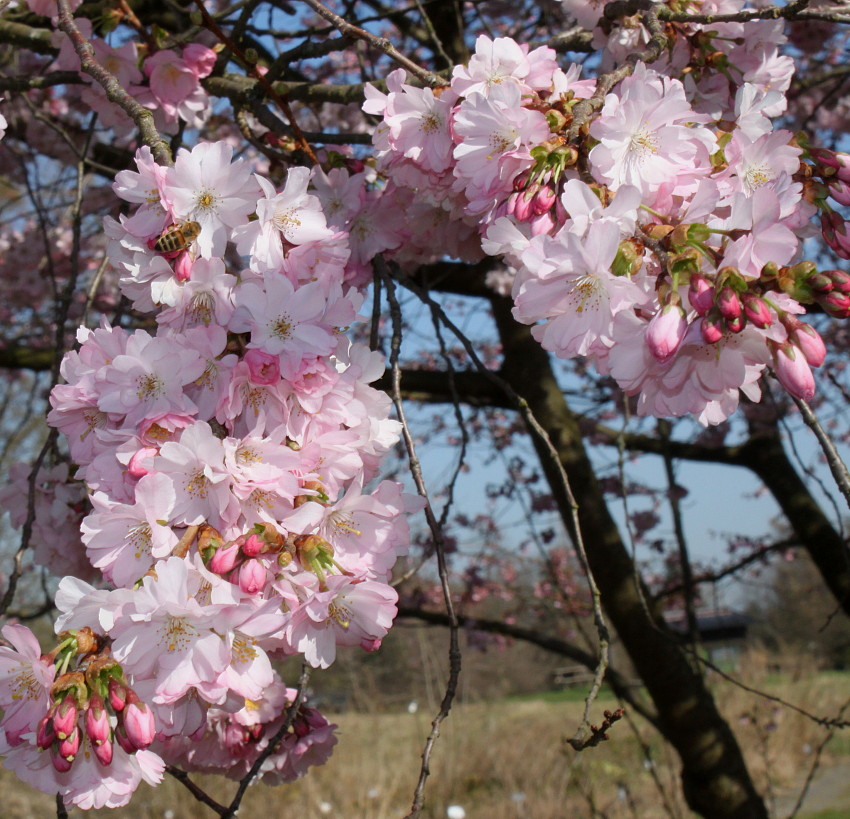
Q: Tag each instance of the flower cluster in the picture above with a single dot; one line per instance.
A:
(228, 456)
(663, 239)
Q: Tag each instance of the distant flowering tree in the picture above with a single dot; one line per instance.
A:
(215, 503)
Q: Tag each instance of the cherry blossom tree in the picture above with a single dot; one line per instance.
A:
(220, 223)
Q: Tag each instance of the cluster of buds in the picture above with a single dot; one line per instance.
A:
(830, 289)
(728, 303)
(93, 701)
(538, 190)
(247, 561)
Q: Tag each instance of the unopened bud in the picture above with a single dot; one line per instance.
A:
(138, 722)
(60, 764)
(544, 199)
(735, 325)
(808, 340)
(666, 331)
(701, 294)
(820, 282)
(252, 576)
(263, 368)
(253, 546)
(711, 329)
(104, 753)
(65, 718)
(840, 192)
(793, 371)
(45, 735)
(836, 304)
(117, 694)
(840, 280)
(728, 303)
(757, 311)
(225, 559)
(69, 746)
(183, 267)
(98, 728)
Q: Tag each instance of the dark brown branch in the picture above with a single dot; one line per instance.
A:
(380, 43)
(143, 118)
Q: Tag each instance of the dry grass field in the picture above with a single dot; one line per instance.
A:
(507, 760)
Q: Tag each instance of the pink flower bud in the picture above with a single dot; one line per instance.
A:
(124, 741)
(521, 181)
(61, 764)
(510, 207)
(840, 280)
(104, 753)
(835, 234)
(523, 210)
(735, 325)
(666, 331)
(253, 546)
(138, 722)
(808, 340)
(65, 718)
(97, 721)
(544, 199)
(728, 303)
(117, 696)
(757, 311)
(252, 576)
(45, 735)
(840, 192)
(225, 559)
(183, 267)
(820, 282)
(264, 368)
(793, 372)
(69, 746)
(835, 303)
(701, 294)
(843, 168)
(711, 329)
(138, 464)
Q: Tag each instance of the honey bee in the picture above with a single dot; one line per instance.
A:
(177, 237)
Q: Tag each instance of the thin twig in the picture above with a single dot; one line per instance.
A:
(291, 712)
(536, 429)
(282, 103)
(813, 769)
(199, 793)
(836, 466)
(114, 91)
(429, 78)
(439, 545)
(681, 541)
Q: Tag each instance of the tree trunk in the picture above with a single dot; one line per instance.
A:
(715, 779)
(766, 456)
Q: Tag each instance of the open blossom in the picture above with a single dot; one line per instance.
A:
(204, 186)
(291, 217)
(350, 612)
(494, 137)
(647, 137)
(25, 681)
(575, 289)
